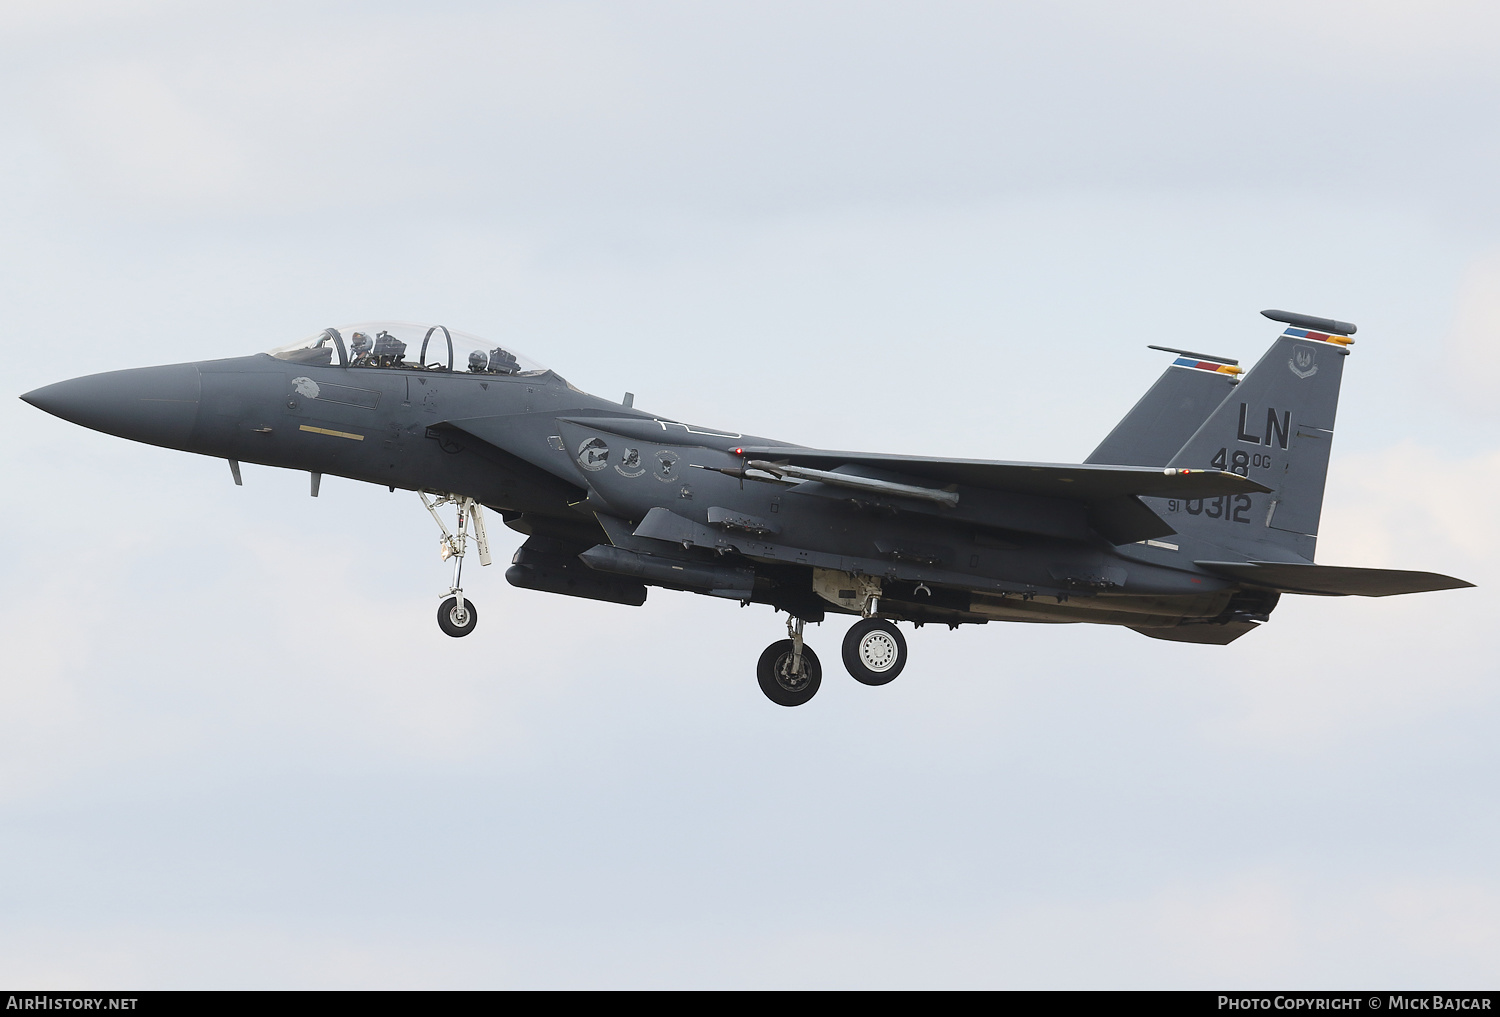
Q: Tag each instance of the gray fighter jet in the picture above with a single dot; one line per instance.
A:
(1191, 519)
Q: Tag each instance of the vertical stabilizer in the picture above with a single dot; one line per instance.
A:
(1170, 411)
(1276, 427)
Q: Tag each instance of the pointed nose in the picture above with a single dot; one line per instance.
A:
(157, 405)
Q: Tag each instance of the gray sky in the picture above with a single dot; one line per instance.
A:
(236, 751)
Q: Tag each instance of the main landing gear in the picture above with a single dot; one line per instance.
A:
(874, 651)
(456, 615)
(789, 672)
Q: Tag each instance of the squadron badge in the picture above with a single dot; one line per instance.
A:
(666, 467)
(630, 464)
(593, 454)
(1303, 363)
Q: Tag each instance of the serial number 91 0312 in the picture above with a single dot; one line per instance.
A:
(1232, 508)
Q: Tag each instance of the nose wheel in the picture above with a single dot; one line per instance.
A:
(457, 615)
(874, 651)
(788, 670)
(457, 619)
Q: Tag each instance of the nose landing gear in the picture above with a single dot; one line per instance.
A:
(456, 615)
(788, 670)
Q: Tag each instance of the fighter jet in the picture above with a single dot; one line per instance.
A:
(1188, 523)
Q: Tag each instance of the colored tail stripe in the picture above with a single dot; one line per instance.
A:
(1206, 365)
(1307, 333)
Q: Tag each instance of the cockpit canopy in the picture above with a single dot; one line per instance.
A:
(406, 346)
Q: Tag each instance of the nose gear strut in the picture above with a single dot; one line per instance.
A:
(457, 616)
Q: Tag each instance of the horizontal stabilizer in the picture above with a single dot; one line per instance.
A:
(1085, 483)
(1331, 580)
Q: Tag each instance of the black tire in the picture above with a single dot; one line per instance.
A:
(782, 688)
(452, 623)
(874, 651)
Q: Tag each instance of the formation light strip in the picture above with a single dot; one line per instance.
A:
(335, 434)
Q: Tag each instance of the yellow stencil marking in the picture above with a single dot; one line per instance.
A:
(336, 434)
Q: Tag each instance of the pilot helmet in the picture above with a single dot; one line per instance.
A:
(360, 342)
(478, 360)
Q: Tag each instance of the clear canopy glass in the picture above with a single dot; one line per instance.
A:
(406, 346)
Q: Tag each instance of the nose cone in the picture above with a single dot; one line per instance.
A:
(157, 405)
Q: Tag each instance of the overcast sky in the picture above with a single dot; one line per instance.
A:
(235, 751)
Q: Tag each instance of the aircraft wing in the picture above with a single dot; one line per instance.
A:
(1086, 483)
(1331, 580)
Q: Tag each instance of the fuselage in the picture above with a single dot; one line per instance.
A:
(562, 465)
